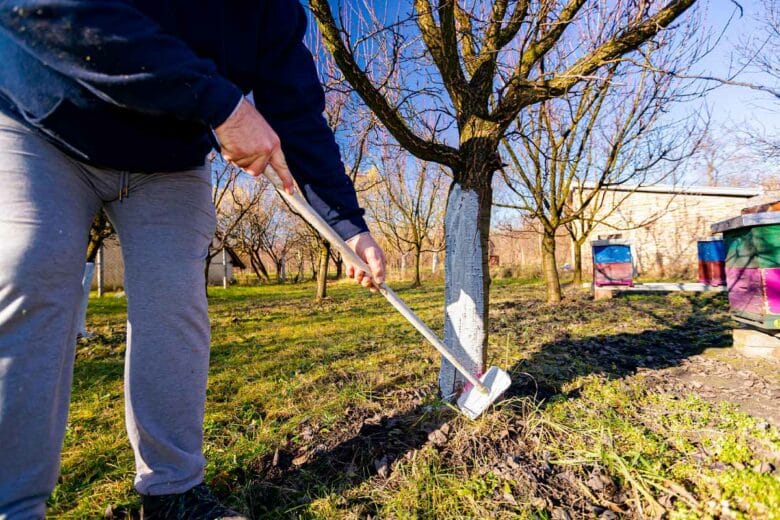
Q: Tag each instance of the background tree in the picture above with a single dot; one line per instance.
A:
(609, 131)
(101, 230)
(406, 204)
(249, 235)
(233, 195)
(352, 124)
(466, 70)
(280, 236)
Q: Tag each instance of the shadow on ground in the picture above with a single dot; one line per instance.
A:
(556, 363)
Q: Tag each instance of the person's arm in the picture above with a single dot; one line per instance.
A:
(288, 93)
(121, 56)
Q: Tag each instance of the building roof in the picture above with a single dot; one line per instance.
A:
(715, 191)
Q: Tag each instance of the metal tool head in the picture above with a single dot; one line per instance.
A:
(472, 402)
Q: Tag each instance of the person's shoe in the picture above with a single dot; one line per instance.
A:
(199, 503)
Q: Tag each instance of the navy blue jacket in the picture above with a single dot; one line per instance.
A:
(136, 85)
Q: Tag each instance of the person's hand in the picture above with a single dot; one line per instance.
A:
(249, 142)
(367, 249)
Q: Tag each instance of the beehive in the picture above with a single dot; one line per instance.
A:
(752, 247)
(712, 261)
(612, 263)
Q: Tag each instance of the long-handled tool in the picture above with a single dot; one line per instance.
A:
(475, 399)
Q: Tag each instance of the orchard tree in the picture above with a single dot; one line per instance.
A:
(234, 195)
(406, 205)
(567, 155)
(352, 124)
(465, 70)
(248, 238)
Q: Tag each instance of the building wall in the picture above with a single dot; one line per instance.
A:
(669, 227)
(216, 270)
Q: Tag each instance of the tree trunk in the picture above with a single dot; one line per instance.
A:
(322, 270)
(577, 264)
(101, 229)
(466, 225)
(209, 258)
(417, 280)
(314, 259)
(281, 268)
(299, 276)
(92, 248)
(550, 267)
(339, 261)
(258, 267)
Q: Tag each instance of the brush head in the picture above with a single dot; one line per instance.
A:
(472, 402)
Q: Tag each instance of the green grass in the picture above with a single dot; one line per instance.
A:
(335, 387)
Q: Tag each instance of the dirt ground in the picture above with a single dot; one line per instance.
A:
(717, 375)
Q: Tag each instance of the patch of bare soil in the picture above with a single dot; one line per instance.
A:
(716, 380)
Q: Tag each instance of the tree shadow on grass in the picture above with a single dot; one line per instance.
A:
(283, 484)
(705, 325)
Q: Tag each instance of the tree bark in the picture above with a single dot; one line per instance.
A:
(322, 270)
(550, 267)
(417, 279)
(100, 230)
(281, 270)
(339, 261)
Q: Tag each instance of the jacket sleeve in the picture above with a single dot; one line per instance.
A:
(120, 55)
(289, 94)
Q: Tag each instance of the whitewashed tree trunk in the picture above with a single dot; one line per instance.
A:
(86, 284)
(224, 269)
(464, 326)
(434, 261)
(100, 272)
(403, 266)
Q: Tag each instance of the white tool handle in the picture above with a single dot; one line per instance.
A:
(301, 205)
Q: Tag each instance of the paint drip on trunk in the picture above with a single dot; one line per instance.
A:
(464, 328)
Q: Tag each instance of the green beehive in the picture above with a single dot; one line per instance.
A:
(754, 247)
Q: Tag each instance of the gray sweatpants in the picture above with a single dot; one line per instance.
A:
(165, 224)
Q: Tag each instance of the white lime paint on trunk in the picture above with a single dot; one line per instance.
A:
(464, 329)
(86, 284)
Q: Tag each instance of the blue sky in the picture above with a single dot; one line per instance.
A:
(731, 106)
